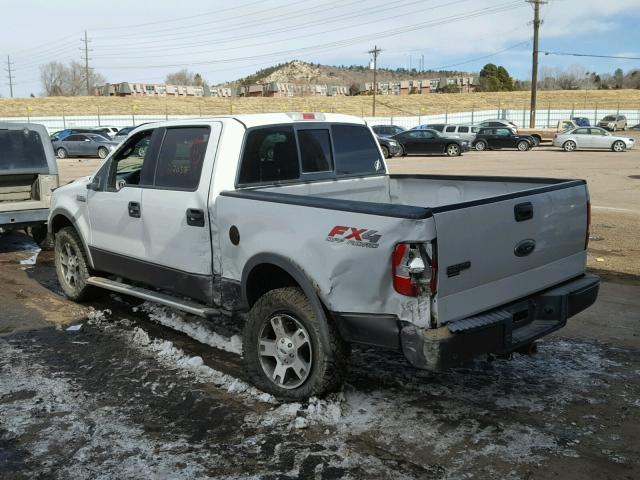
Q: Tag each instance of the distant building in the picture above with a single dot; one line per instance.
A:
(424, 86)
(126, 89)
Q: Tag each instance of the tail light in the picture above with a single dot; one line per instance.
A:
(586, 238)
(410, 274)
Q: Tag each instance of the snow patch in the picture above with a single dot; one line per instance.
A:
(193, 326)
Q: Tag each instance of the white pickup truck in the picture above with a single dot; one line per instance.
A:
(295, 219)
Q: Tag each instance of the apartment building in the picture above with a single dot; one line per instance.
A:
(126, 89)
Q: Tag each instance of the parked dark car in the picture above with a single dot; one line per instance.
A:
(430, 142)
(502, 137)
(62, 134)
(389, 146)
(581, 121)
(387, 130)
(84, 145)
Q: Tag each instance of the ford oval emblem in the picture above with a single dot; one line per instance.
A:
(525, 247)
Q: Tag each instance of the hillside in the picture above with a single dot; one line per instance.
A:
(361, 105)
(297, 71)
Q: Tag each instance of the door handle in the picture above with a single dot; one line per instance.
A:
(523, 211)
(195, 217)
(134, 209)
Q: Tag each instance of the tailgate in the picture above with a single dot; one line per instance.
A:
(487, 257)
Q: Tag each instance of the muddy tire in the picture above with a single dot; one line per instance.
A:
(290, 352)
(72, 266)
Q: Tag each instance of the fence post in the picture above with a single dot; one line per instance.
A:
(524, 114)
(64, 120)
(499, 108)
(166, 112)
(99, 124)
(391, 119)
(200, 110)
(133, 115)
(473, 109)
(595, 115)
(618, 111)
(548, 115)
(28, 114)
(573, 108)
(420, 116)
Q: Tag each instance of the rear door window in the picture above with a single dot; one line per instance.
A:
(315, 150)
(270, 154)
(181, 157)
(450, 129)
(21, 149)
(356, 151)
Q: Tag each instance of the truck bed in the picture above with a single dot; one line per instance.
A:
(473, 223)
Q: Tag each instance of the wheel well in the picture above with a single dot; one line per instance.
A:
(59, 222)
(537, 137)
(266, 277)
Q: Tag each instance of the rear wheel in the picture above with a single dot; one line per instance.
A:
(481, 145)
(385, 151)
(61, 153)
(536, 141)
(618, 146)
(569, 146)
(103, 152)
(289, 351)
(523, 145)
(72, 266)
(453, 150)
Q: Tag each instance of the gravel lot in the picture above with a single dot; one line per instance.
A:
(129, 395)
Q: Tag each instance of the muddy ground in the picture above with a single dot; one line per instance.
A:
(127, 395)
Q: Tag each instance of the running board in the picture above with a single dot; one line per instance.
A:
(153, 296)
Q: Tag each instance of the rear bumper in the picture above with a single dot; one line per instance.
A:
(23, 218)
(501, 330)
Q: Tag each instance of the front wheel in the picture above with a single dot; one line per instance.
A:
(72, 266)
(523, 146)
(618, 146)
(103, 152)
(481, 145)
(453, 150)
(290, 352)
(61, 153)
(385, 151)
(569, 146)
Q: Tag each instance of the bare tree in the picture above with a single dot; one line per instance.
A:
(185, 77)
(67, 80)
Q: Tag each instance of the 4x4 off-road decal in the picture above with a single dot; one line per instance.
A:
(359, 237)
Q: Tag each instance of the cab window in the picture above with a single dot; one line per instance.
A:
(181, 157)
(270, 154)
(356, 150)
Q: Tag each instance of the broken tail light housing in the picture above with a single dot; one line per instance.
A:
(411, 273)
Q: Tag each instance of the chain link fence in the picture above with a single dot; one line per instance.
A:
(546, 117)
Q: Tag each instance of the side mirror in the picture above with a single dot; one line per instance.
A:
(94, 185)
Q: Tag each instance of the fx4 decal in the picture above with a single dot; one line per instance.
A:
(359, 237)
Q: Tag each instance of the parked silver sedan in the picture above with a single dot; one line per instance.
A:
(591, 137)
(84, 145)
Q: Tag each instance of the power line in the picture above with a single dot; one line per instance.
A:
(10, 75)
(471, 60)
(591, 55)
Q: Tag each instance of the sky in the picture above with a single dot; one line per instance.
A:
(142, 41)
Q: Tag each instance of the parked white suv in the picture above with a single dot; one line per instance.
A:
(294, 219)
(465, 132)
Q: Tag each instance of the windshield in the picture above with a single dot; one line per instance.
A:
(21, 149)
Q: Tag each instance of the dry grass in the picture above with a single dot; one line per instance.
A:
(386, 105)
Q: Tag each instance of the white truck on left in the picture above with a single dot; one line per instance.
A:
(28, 176)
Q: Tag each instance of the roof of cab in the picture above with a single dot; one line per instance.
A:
(259, 119)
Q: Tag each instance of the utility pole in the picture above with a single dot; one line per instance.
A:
(375, 53)
(86, 59)
(534, 64)
(10, 75)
